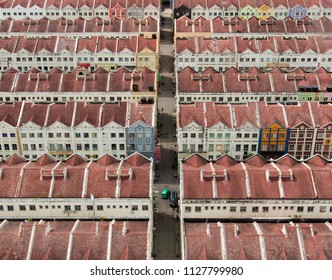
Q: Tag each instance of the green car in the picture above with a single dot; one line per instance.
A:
(165, 194)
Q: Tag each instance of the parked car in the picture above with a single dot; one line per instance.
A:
(165, 193)
(173, 200)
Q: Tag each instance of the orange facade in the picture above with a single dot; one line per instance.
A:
(118, 11)
(273, 140)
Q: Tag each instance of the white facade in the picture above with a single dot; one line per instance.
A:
(255, 209)
(268, 59)
(75, 208)
(8, 140)
(218, 140)
(62, 141)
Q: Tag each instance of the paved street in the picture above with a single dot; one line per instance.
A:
(166, 235)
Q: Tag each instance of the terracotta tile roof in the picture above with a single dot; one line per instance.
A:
(133, 177)
(9, 113)
(97, 185)
(10, 175)
(264, 178)
(119, 81)
(133, 244)
(245, 114)
(190, 113)
(322, 114)
(15, 239)
(281, 241)
(298, 114)
(270, 113)
(35, 113)
(139, 166)
(114, 113)
(200, 245)
(36, 180)
(218, 113)
(61, 114)
(88, 113)
(141, 112)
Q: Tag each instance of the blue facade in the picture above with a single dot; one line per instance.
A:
(140, 138)
(298, 12)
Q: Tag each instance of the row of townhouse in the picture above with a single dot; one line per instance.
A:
(255, 189)
(70, 9)
(218, 27)
(236, 87)
(80, 27)
(244, 52)
(78, 85)
(76, 240)
(77, 188)
(241, 130)
(48, 52)
(256, 241)
(244, 9)
(89, 129)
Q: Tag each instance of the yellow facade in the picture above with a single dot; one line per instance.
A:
(264, 12)
(147, 58)
(273, 138)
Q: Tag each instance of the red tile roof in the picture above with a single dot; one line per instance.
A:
(9, 113)
(281, 241)
(129, 240)
(285, 178)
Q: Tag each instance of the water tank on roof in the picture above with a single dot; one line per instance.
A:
(329, 89)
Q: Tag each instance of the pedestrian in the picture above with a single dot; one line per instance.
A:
(162, 110)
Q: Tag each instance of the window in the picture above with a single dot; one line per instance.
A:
(307, 147)
(22, 207)
(310, 209)
(59, 135)
(238, 148)
(187, 209)
(89, 207)
(77, 135)
(23, 135)
(291, 147)
(134, 207)
(211, 135)
(50, 135)
(77, 207)
(265, 209)
(243, 209)
(198, 209)
(300, 209)
(32, 207)
(1, 208)
(86, 135)
(67, 208)
(232, 209)
(145, 207)
(322, 209)
(100, 207)
(10, 208)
